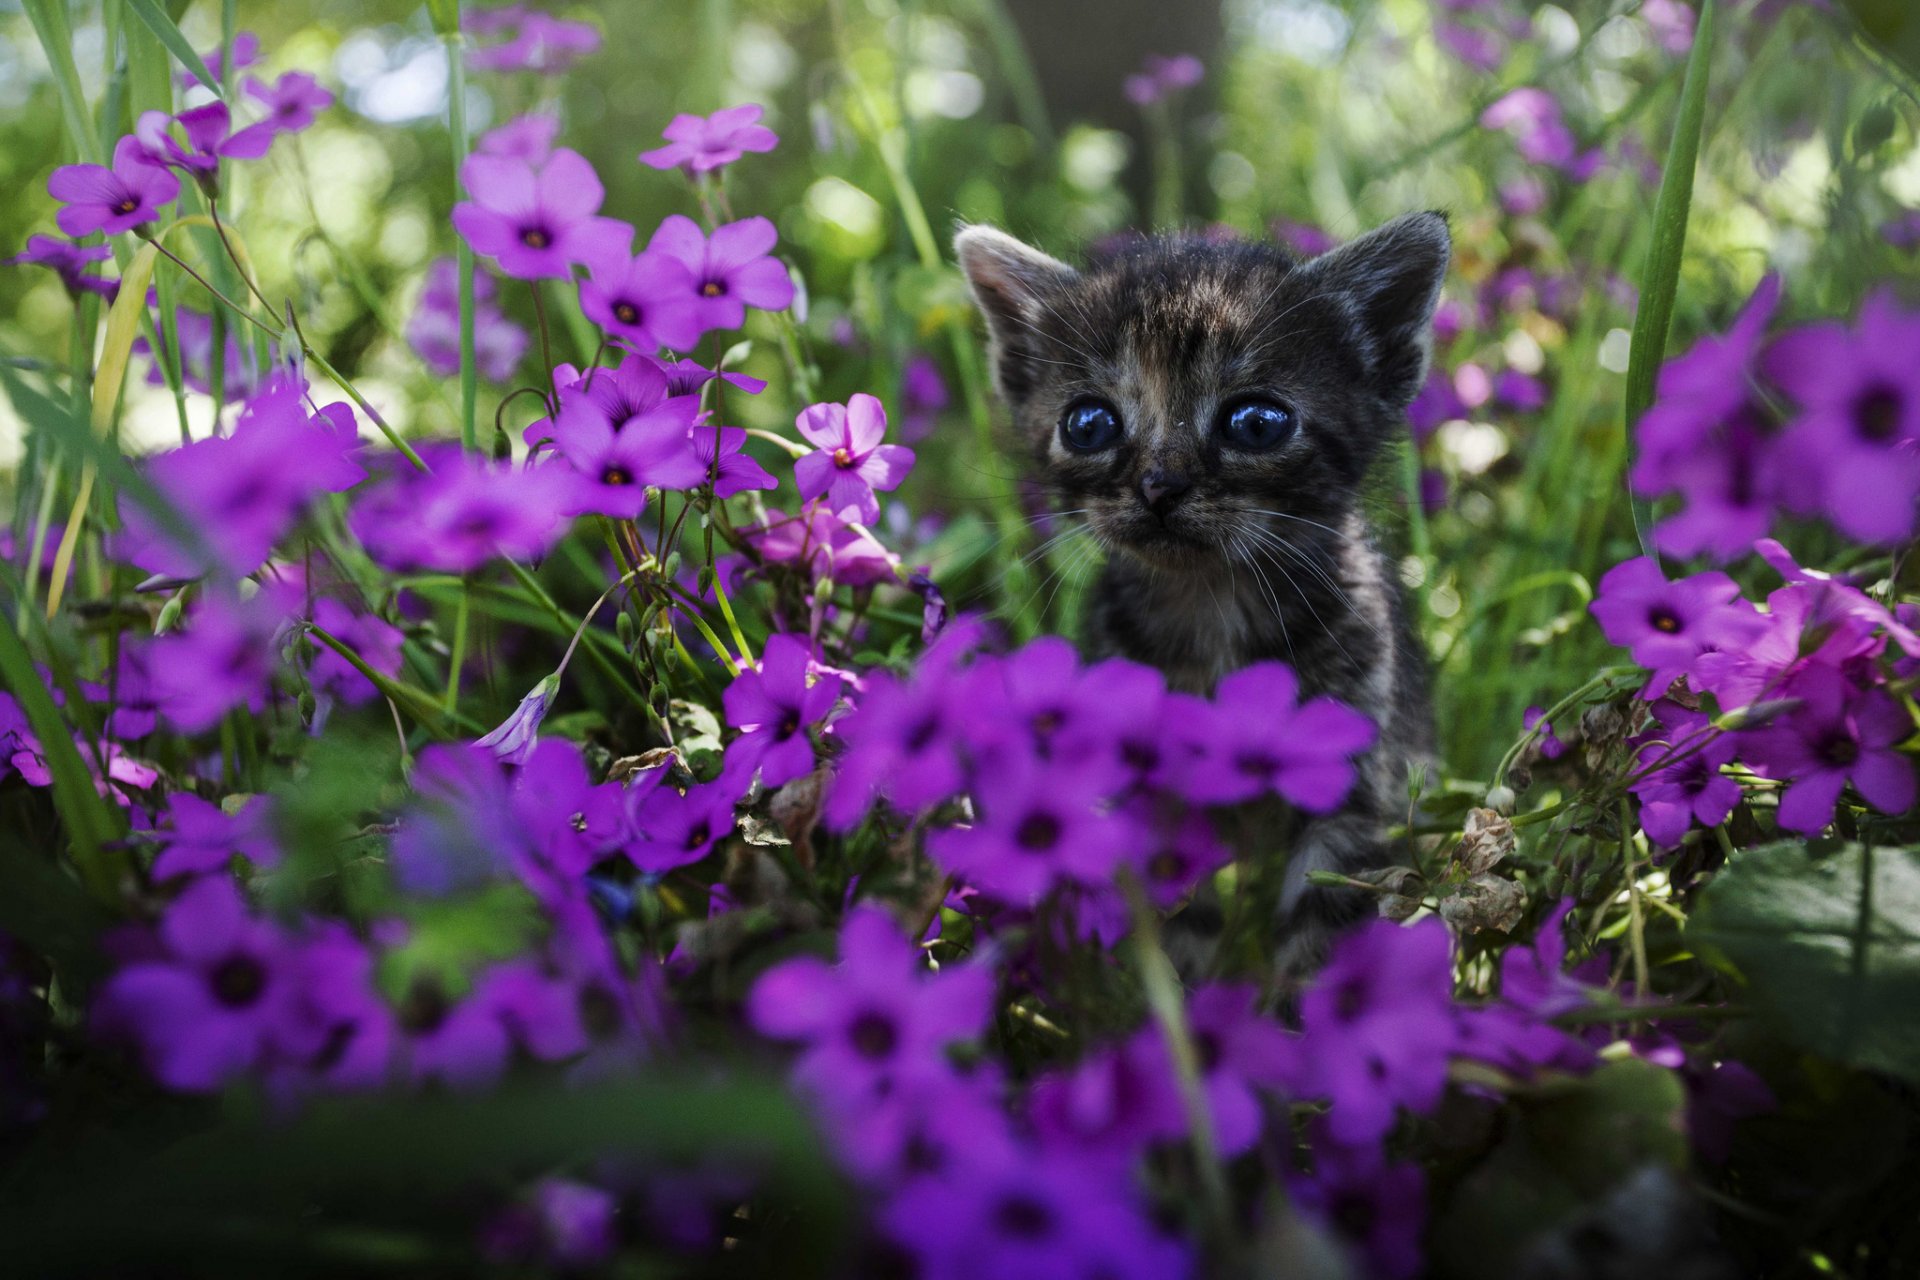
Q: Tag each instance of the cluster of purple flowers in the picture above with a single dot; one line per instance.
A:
(1847, 446)
(1161, 76)
(434, 330)
(1808, 675)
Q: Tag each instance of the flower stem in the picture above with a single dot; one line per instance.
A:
(215, 364)
(546, 343)
(463, 252)
(458, 660)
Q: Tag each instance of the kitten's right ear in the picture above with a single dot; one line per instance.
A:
(1011, 282)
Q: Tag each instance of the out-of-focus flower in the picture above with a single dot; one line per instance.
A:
(71, 261)
(731, 270)
(1532, 117)
(1377, 1208)
(1671, 23)
(529, 137)
(701, 144)
(223, 658)
(376, 640)
(539, 42)
(126, 195)
(923, 395)
(194, 329)
(1266, 740)
(246, 52)
(1038, 827)
(563, 1225)
(537, 223)
(849, 461)
(1550, 746)
(463, 513)
(292, 102)
(1903, 230)
(434, 329)
(1161, 75)
(825, 544)
(200, 837)
(1859, 424)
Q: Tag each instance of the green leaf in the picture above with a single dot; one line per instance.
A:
(1894, 26)
(1827, 945)
(92, 821)
(1660, 279)
(49, 18)
(157, 20)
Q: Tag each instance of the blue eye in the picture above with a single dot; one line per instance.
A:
(1254, 426)
(1090, 426)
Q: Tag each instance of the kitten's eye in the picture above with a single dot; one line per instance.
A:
(1254, 426)
(1090, 426)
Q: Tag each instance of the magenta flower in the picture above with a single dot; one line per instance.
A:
(98, 198)
(923, 395)
(536, 225)
(246, 52)
(543, 43)
(1550, 746)
(1039, 825)
(621, 431)
(1378, 1025)
(877, 1017)
(675, 829)
(529, 138)
(210, 138)
(1160, 76)
(832, 550)
(292, 102)
(737, 471)
(731, 270)
(1839, 734)
(1241, 1054)
(774, 707)
(701, 144)
(1532, 117)
(647, 300)
(1112, 1105)
(205, 1008)
(1859, 425)
(1683, 782)
(434, 330)
(70, 261)
(1666, 626)
(377, 641)
(1266, 740)
(1376, 1209)
(463, 513)
(1176, 852)
(223, 658)
(201, 837)
(850, 461)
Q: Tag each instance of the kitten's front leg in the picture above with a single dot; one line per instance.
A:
(1349, 842)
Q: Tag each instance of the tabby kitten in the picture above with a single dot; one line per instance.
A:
(1213, 409)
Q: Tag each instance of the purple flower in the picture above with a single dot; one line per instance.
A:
(1520, 391)
(900, 743)
(377, 641)
(565, 1225)
(292, 102)
(775, 706)
(623, 431)
(876, 1017)
(923, 395)
(1377, 1208)
(1377, 1026)
(1177, 850)
(1111, 1106)
(701, 144)
(463, 513)
(647, 300)
(243, 491)
(849, 462)
(513, 741)
(1551, 748)
(829, 548)
(434, 330)
(1683, 784)
(1666, 626)
(674, 829)
(462, 1044)
(1160, 76)
(1859, 424)
(1265, 740)
(731, 270)
(97, 198)
(1030, 1218)
(1903, 231)
(1532, 116)
(1838, 735)
(201, 837)
(121, 776)
(1671, 23)
(736, 471)
(1039, 826)
(1478, 48)
(529, 138)
(536, 224)
(246, 52)
(1241, 1053)
(1535, 979)
(543, 43)
(70, 261)
(224, 658)
(205, 1008)
(210, 138)
(195, 331)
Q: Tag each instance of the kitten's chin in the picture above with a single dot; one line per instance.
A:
(1164, 547)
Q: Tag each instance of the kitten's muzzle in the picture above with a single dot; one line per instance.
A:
(1161, 489)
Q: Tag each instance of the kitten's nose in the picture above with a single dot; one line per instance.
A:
(1161, 489)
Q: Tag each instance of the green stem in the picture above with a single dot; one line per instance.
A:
(463, 252)
(458, 661)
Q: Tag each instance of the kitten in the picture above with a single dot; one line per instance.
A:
(1214, 409)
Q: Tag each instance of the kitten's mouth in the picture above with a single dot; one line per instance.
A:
(1168, 544)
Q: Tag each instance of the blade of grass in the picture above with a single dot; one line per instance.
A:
(1660, 280)
(162, 26)
(49, 21)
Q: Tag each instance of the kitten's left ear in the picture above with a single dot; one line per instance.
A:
(1392, 277)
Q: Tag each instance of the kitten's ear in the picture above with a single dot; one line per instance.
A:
(1011, 282)
(1392, 277)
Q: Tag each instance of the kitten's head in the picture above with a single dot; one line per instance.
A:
(1191, 395)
